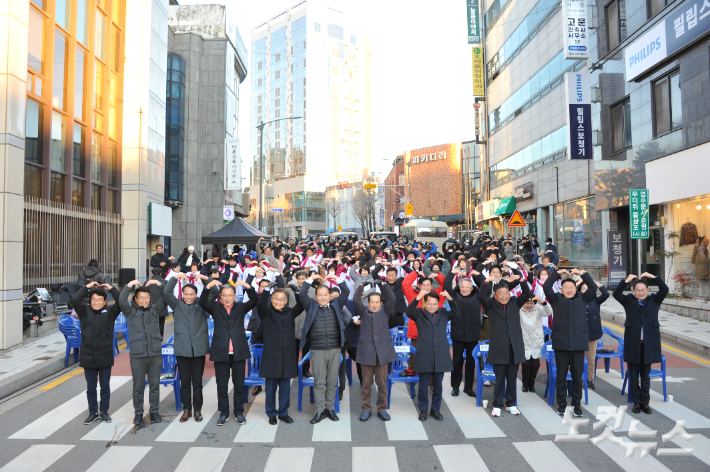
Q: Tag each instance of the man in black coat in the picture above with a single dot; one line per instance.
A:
(229, 350)
(324, 327)
(465, 329)
(506, 347)
(570, 334)
(642, 335)
(160, 259)
(395, 283)
(279, 358)
(96, 352)
(433, 358)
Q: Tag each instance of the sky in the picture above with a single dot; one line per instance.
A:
(421, 70)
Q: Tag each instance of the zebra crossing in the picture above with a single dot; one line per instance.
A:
(461, 442)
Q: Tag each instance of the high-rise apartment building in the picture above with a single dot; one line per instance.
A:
(309, 47)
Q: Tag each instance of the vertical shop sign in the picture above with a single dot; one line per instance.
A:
(638, 208)
(232, 164)
(617, 255)
(478, 83)
(579, 115)
(474, 22)
(577, 232)
(575, 32)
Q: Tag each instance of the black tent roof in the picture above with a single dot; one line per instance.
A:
(236, 232)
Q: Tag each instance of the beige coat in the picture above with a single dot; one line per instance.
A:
(531, 324)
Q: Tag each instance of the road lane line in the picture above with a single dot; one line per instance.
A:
(475, 422)
(204, 459)
(37, 458)
(190, 430)
(539, 414)
(45, 426)
(460, 458)
(120, 459)
(405, 424)
(63, 379)
(381, 459)
(293, 459)
(328, 430)
(544, 456)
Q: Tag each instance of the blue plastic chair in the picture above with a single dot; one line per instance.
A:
(169, 374)
(310, 382)
(480, 356)
(549, 355)
(546, 331)
(171, 339)
(406, 320)
(397, 367)
(253, 379)
(71, 329)
(608, 356)
(120, 326)
(654, 373)
(448, 332)
(210, 328)
(399, 333)
(349, 369)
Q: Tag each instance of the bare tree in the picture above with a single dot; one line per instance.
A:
(333, 209)
(364, 209)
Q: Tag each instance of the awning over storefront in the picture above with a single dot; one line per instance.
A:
(506, 206)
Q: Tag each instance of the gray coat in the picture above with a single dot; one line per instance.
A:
(144, 335)
(190, 324)
(375, 343)
(432, 344)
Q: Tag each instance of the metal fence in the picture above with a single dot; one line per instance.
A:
(60, 239)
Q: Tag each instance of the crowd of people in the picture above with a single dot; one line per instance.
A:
(319, 300)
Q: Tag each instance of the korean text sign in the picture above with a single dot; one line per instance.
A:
(576, 35)
(579, 115)
(617, 256)
(638, 210)
(474, 22)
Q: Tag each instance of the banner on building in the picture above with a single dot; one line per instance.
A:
(474, 22)
(232, 165)
(678, 29)
(575, 32)
(577, 232)
(478, 82)
(638, 209)
(617, 255)
(579, 115)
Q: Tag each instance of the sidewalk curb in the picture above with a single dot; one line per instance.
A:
(33, 375)
(691, 344)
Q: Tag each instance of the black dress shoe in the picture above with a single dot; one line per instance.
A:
(256, 390)
(155, 418)
(470, 393)
(286, 419)
(138, 419)
(422, 415)
(436, 415)
(273, 420)
(646, 409)
(91, 418)
(590, 384)
(331, 414)
(318, 417)
(455, 392)
(531, 389)
(240, 418)
(105, 417)
(636, 408)
(525, 388)
(222, 419)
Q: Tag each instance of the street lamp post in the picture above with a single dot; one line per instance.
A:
(260, 127)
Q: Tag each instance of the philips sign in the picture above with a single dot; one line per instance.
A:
(646, 52)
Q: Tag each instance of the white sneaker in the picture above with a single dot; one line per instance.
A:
(487, 383)
(513, 410)
(495, 412)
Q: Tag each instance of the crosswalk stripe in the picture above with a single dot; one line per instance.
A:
(405, 424)
(540, 415)
(204, 459)
(617, 453)
(293, 459)
(544, 456)
(37, 458)
(382, 459)
(328, 430)
(475, 422)
(597, 402)
(257, 428)
(48, 424)
(460, 458)
(191, 429)
(672, 410)
(120, 459)
(700, 445)
(122, 420)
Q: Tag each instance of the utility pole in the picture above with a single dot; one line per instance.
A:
(262, 175)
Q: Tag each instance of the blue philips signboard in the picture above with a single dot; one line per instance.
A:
(579, 115)
(684, 25)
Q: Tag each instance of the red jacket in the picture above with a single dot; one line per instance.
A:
(410, 294)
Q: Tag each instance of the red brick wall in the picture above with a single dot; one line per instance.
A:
(436, 184)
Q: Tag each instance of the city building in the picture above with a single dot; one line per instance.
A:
(394, 192)
(526, 141)
(435, 184)
(61, 79)
(653, 112)
(353, 208)
(206, 64)
(310, 46)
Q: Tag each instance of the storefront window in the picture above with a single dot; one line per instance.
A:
(692, 222)
(578, 231)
